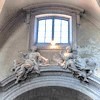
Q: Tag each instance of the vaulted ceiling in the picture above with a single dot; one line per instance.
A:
(9, 7)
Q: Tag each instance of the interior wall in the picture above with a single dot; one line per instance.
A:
(88, 40)
(88, 31)
(12, 42)
(16, 39)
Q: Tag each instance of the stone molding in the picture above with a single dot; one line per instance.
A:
(51, 5)
(50, 76)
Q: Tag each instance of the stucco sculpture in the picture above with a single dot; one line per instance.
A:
(87, 70)
(68, 60)
(32, 61)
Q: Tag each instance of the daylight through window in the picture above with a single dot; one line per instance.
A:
(54, 27)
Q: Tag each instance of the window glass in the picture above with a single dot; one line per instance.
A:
(41, 31)
(64, 35)
(48, 32)
(57, 30)
(54, 28)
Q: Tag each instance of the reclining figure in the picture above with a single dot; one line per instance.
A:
(31, 64)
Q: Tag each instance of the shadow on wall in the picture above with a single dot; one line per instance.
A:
(52, 93)
(8, 29)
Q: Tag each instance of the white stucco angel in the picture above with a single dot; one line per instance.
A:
(32, 61)
(68, 60)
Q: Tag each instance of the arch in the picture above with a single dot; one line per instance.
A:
(52, 93)
(44, 81)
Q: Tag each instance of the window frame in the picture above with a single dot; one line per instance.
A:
(46, 45)
(53, 17)
(74, 13)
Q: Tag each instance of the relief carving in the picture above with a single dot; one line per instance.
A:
(31, 62)
(68, 60)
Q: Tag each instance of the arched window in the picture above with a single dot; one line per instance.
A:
(53, 27)
(53, 23)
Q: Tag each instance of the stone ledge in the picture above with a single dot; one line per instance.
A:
(50, 76)
(60, 81)
(46, 71)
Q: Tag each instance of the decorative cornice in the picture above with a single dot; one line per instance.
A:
(46, 71)
(43, 70)
(52, 79)
(50, 76)
(45, 5)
